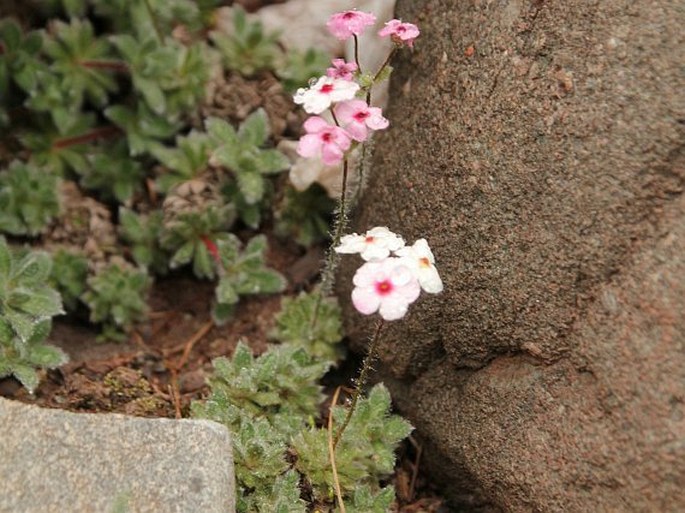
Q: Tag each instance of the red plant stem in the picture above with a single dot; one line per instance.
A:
(213, 249)
(118, 66)
(356, 53)
(96, 133)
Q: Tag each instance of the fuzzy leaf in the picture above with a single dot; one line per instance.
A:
(364, 454)
(34, 268)
(283, 495)
(271, 161)
(262, 281)
(221, 132)
(226, 292)
(255, 129)
(295, 324)
(252, 187)
(183, 255)
(6, 331)
(22, 324)
(5, 262)
(10, 33)
(41, 303)
(28, 199)
(47, 356)
(284, 379)
(26, 375)
(69, 274)
(365, 501)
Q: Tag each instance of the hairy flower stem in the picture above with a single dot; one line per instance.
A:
(356, 53)
(379, 72)
(360, 383)
(97, 133)
(328, 271)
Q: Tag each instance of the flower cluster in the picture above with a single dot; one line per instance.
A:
(338, 91)
(393, 274)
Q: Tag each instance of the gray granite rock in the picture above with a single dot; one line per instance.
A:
(56, 461)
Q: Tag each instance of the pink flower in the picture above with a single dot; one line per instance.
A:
(344, 25)
(388, 287)
(323, 139)
(341, 69)
(400, 33)
(324, 92)
(357, 117)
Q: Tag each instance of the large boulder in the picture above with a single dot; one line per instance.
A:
(539, 146)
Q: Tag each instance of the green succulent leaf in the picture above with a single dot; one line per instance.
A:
(28, 199)
(170, 77)
(311, 322)
(248, 49)
(304, 216)
(241, 153)
(68, 276)
(364, 454)
(244, 273)
(114, 174)
(300, 67)
(185, 161)
(187, 236)
(19, 60)
(222, 134)
(144, 129)
(27, 305)
(141, 232)
(116, 297)
(255, 129)
(80, 59)
(279, 386)
(63, 149)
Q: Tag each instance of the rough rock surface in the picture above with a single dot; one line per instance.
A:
(56, 461)
(539, 146)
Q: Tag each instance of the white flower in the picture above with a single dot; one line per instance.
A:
(387, 287)
(374, 245)
(420, 259)
(324, 92)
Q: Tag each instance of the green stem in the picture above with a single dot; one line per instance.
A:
(361, 380)
(155, 23)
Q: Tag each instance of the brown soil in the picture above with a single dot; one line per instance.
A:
(164, 364)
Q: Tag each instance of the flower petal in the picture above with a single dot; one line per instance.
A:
(365, 300)
(315, 124)
(430, 280)
(309, 146)
(393, 308)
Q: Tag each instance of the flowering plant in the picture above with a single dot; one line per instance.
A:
(340, 101)
(393, 274)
